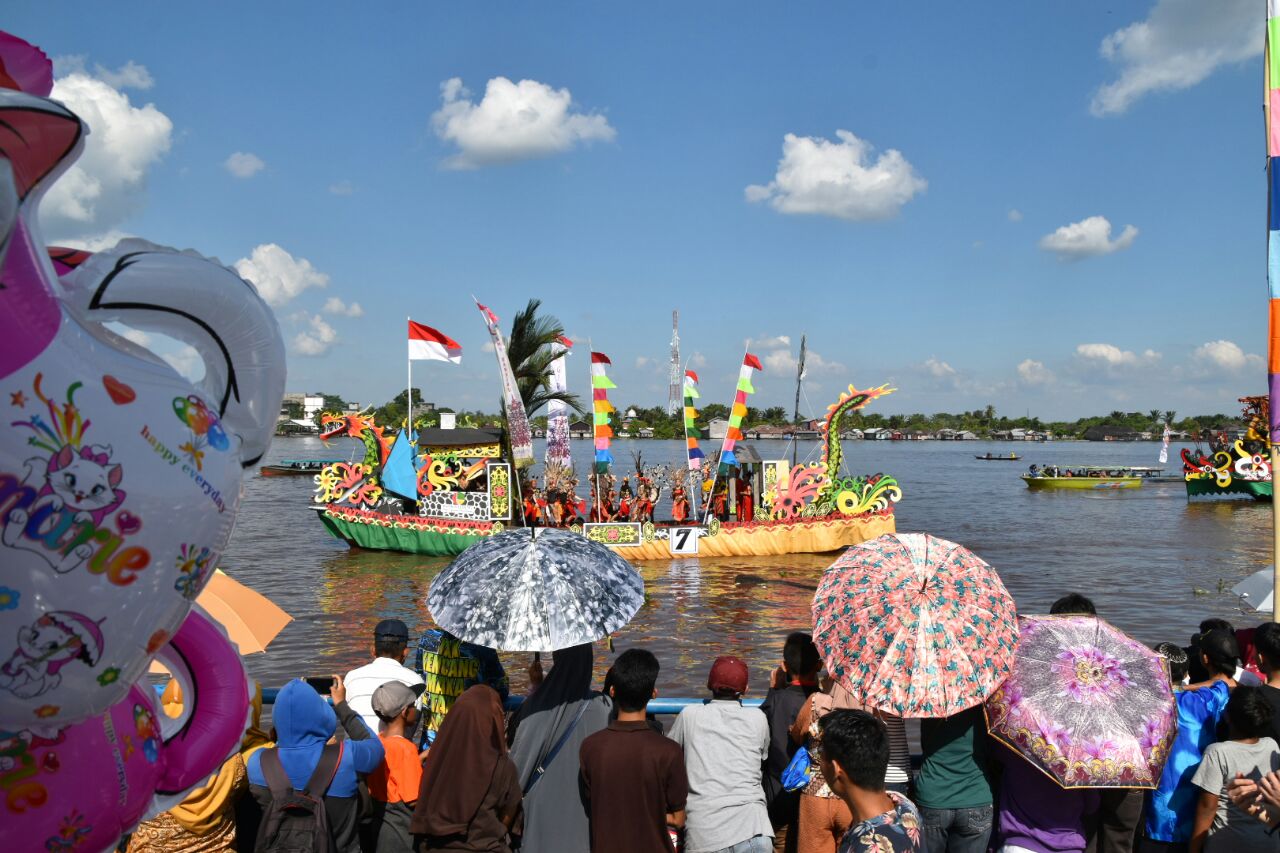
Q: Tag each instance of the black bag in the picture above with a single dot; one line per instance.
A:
(296, 821)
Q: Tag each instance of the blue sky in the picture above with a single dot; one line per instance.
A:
(1072, 223)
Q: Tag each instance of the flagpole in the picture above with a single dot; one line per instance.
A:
(1273, 343)
(711, 496)
(408, 393)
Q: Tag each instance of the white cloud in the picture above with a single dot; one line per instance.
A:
(131, 75)
(242, 164)
(1110, 360)
(1180, 43)
(342, 188)
(317, 338)
(186, 361)
(697, 361)
(278, 275)
(643, 361)
(513, 121)
(1032, 372)
(334, 305)
(1225, 357)
(1015, 215)
(109, 180)
(939, 369)
(839, 179)
(1087, 238)
(778, 359)
(769, 343)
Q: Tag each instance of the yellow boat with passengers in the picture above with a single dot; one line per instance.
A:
(1092, 477)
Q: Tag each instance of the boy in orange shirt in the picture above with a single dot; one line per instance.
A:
(394, 785)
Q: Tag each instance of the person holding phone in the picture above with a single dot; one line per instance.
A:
(304, 724)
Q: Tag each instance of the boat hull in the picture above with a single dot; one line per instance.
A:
(1257, 489)
(1091, 484)
(446, 538)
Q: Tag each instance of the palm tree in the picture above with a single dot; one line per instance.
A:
(1169, 416)
(531, 349)
(1154, 416)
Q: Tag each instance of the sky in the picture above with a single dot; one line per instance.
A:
(1054, 209)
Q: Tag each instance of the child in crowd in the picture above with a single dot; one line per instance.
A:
(853, 751)
(953, 790)
(633, 777)
(1220, 825)
(1171, 807)
(725, 745)
(1266, 644)
(1036, 813)
(393, 787)
(793, 683)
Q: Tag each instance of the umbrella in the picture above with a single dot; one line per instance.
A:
(250, 619)
(1256, 589)
(539, 590)
(915, 625)
(1086, 704)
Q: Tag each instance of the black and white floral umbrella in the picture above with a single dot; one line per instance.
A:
(543, 590)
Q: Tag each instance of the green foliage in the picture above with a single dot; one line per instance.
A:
(532, 346)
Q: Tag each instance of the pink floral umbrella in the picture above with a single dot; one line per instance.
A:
(915, 625)
(1086, 704)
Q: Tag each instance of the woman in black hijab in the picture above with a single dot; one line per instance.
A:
(557, 717)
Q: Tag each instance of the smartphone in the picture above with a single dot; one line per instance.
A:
(322, 684)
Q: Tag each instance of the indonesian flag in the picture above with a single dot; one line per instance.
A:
(427, 344)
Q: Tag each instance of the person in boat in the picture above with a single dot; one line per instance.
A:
(532, 518)
(988, 454)
(679, 506)
(746, 505)
(624, 504)
(644, 501)
(1035, 472)
(720, 502)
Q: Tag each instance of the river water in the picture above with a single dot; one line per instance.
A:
(1154, 563)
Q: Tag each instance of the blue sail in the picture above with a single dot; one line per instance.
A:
(400, 473)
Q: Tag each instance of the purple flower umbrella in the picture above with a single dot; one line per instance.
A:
(1086, 704)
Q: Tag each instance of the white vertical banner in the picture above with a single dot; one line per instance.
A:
(558, 448)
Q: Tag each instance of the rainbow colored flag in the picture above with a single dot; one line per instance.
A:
(1271, 106)
(691, 433)
(601, 407)
(739, 411)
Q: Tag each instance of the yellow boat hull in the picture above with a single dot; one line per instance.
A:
(1089, 484)
(760, 539)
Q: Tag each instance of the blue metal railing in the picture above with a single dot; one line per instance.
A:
(670, 705)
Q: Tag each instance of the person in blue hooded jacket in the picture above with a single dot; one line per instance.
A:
(304, 722)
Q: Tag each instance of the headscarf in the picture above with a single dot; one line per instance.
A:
(461, 764)
(568, 681)
(206, 808)
(555, 703)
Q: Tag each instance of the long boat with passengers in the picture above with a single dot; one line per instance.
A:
(1095, 478)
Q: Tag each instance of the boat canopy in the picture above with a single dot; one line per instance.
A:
(460, 437)
(1104, 467)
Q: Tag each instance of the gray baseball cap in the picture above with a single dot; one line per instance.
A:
(390, 699)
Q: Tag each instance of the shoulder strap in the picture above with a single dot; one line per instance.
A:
(326, 769)
(555, 750)
(273, 772)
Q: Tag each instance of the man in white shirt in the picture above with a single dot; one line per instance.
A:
(390, 645)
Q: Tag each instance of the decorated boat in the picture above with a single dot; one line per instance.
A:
(1096, 478)
(464, 491)
(295, 467)
(1234, 466)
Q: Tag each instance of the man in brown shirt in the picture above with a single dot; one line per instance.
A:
(632, 777)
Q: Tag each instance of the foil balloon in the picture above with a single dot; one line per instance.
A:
(119, 484)
(82, 786)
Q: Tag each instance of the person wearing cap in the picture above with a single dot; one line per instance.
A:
(390, 645)
(725, 747)
(393, 787)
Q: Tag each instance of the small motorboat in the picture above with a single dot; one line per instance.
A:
(295, 467)
(1012, 457)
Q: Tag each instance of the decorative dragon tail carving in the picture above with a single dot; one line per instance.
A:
(356, 483)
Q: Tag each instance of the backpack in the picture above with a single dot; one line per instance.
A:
(296, 822)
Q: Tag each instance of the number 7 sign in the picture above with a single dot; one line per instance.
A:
(684, 540)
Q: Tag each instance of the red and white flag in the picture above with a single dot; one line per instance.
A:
(427, 344)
